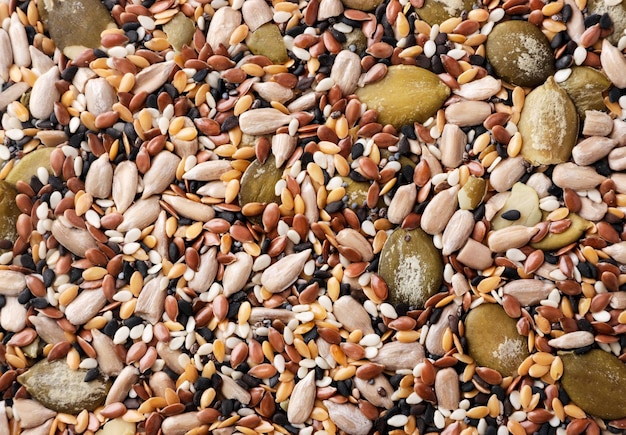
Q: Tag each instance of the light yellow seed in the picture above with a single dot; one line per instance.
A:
(336, 195)
(158, 44)
(554, 26)
(73, 359)
(422, 27)
(402, 26)
(68, 295)
(313, 64)
(316, 173)
(556, 368)
(489, 158)
(515, 428)
(319, 414)
(478, 412)
(230, 175)
(89, 120)
(558, 214)
(494, 406)
(127, 309)
(525, 396)
(66, 418)
(481, 143)
(515, 145)
(207, 397)
(303, 328)
(280, 106)
(97, 322)
(574, 411)
(82, 419)
(94, 273)
(225, 150)
(15, 361)
(467, 76)
(299, 207)
(449, 25)
(219, 350)
(187, 133)
(253, 70)
(412, 51)
(488, 284)
(344, 373)
(333, 289)
(232, 190)
(239, 34)
(193, 231)
(341, 127)
(543, 358)
(243, 104)
(407, 336)
(538, 370)
(18, 110)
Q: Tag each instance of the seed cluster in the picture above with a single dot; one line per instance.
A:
(195, 211)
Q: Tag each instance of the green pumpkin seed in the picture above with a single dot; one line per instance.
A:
(76, 24)
(407, 94)
(8, 212)
(493, 340)
(29, 164)
(594, 381)
(356, 39)
(520, 53)
(179, 30)
(438, 11)
(268, 41)
(548, 125)
(472, 193)
(42, 381)
(411, 266)
(258, 183)
(585, 86)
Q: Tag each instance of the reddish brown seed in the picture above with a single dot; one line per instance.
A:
(511, 306)
(353, 350)
(576, 426)
(220, 307)
(276, 340)
(369, 371)
(7, 379)
(425, 392)
(368, 410)
(498, 118)
(59, 350)
(379, 286)
(488, 375)
(36, 286)
(262, 371)
(368, 168)
(23, 337)
(607, 232)
(533, 261)
(114, 410)
(428, 373)
(572, 200)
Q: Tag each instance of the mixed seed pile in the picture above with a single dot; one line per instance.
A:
(313, 217)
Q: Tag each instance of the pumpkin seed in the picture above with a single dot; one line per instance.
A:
(493, 340)
(520, 53)
(548, 125)
(411, 266)
(605, 372)
(405, 95)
